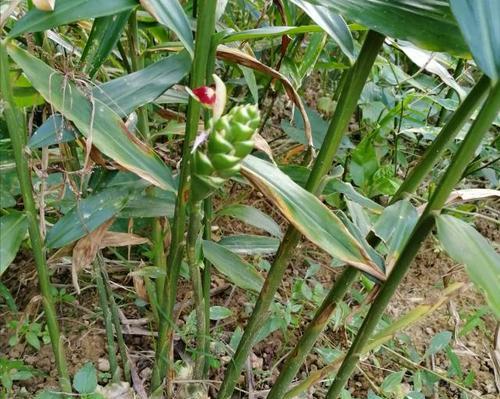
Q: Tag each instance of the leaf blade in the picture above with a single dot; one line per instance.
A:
(427, 23)
(253, 217)
(334, 25)
(125, 94)
(171, 14)
(465, 245)
(85, 217)
(308, 215)
(94, 119)
(67, 11)
(239, 272)
(13, 228)
(250, 244)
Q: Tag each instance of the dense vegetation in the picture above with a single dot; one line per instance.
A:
(245, 185)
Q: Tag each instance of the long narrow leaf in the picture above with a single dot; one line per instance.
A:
(253, 217)
(267, 32)
(86, 216)
(308, 215)
(334, 25)
(394, 227)
(250, 244)
(67, 11)
(229, 264)
(53, 131)
(171, 14)
(94, 119)
(465, 245)
(13, 228)
(102, 38)
(427, 23)
(478, 20)
(125, 94)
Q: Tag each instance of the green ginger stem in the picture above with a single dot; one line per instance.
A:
(207, 222)
(108, 321)
(16, 124)
(205, 30)
(345, 108)
(113, 307)
(195, 265)
(349, 275)
(424, 225)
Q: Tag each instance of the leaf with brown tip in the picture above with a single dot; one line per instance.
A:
(309, 215)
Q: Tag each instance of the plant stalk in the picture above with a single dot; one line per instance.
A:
(425, 224)
(137, 64)
(296, 358)
(108, 322)
(158, 248)
(195, 265)
(345, 108)
(205, 30)
(17, 131)
(388, 333)
(349, 275)
(448, 132)
(449, 92)
(122, 347)
(207, 224)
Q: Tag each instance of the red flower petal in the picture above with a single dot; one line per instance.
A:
(205, 94)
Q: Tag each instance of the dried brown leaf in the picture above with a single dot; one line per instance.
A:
(85, 251)
(117, 239)
(140, 287)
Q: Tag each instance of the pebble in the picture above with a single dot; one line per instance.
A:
(103, 364)
(145, 373)
(257, 362)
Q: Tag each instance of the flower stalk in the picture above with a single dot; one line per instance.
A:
(163, 360)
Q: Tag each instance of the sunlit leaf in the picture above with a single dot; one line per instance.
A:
(394, 227)
(250, 244)
(308, 215)
(333, 24)
(427, 23)
(67, 11)
(85, 381)
(427, 60)
(219, 312)
(125, 94)
(171, 14)
(438, 342)
(94, 119)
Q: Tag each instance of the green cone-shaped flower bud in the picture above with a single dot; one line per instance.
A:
(217, 143)
(229, 141)
(202, 164)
